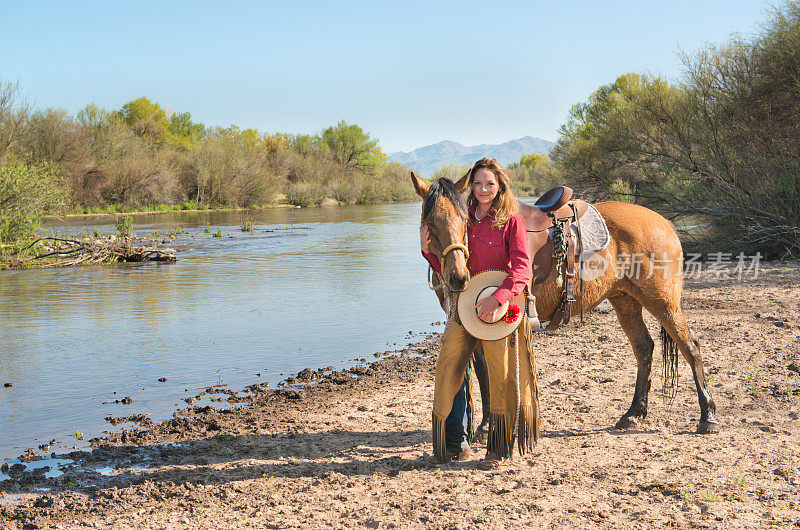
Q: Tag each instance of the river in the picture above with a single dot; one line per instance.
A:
(307, 288)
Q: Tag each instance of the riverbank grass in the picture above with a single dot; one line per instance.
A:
(118, 208)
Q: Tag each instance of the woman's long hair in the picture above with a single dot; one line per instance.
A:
(505, 203)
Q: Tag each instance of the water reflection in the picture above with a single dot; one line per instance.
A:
(309, 288)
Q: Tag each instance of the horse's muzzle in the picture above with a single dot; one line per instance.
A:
(457, 282)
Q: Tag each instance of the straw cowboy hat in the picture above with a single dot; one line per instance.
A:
(479, 287)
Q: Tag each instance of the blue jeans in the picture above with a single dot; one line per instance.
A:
(455, 426)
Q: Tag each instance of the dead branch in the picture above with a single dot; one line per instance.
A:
(66, 252)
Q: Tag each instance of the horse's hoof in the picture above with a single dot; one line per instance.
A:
(707, 427)
(627, 422)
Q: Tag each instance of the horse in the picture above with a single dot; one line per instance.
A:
(634, 231)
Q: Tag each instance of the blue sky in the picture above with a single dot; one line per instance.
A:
(410, 73)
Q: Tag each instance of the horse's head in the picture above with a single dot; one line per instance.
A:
(445, 213)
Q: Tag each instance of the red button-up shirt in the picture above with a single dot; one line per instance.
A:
(492, 249)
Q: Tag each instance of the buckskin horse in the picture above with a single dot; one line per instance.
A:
(636, 234)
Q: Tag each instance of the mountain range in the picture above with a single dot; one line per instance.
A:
(426, 160)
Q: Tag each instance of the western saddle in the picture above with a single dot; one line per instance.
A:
(555, 209)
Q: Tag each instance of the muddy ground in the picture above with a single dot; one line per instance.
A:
(354, 448)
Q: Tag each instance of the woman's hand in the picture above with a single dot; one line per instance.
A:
(486, 308)
(424, 238)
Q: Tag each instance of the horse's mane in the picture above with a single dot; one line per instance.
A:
(443, 187)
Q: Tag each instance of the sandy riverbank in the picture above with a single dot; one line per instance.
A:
(353, 450)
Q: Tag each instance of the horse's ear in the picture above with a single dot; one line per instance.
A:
(461, 185)
(420, 185)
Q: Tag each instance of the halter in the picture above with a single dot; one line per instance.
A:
(448, 295)
(453, 246)
(456, 246)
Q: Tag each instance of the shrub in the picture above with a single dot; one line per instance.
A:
(145, 157)
(343, 191)
(124, 226)
(229, 168)
(28, 191)
(304, 194)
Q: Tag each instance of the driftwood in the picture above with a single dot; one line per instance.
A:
(65, 252)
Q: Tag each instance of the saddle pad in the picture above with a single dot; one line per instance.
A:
(593, 231)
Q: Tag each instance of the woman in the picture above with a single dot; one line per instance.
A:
(497, 240)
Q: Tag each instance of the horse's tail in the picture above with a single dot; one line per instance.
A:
(670, 354)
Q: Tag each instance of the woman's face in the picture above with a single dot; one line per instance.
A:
(485, 186)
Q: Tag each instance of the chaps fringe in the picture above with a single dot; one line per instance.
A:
(529, 419)
(439, 448)
(670, 354)
(500, 439)
(527, 428)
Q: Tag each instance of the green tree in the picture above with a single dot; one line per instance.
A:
(354, 148)
(610, 142)
(722, 146)
(533, 175)
(92, 116)
(146, 119)
(183, 132)
(534, 160)
(309, 145)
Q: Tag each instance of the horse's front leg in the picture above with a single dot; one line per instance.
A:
(479, 362)
(629, 313)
